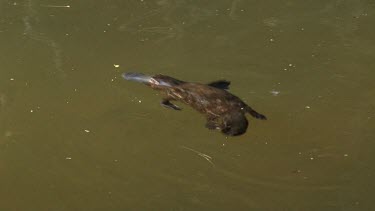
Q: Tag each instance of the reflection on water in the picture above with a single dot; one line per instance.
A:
(30, 19)
(73, 136)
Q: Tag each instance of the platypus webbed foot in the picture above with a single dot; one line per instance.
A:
(257, 115)
(212, 125)
(166, 103)
(222, 84)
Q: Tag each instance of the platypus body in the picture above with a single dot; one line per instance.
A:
(223, 110)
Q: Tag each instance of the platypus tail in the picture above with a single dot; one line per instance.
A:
(255, 114)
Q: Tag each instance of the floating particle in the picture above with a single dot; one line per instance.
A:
(307, 106)
(346, 155)
(87, 131)
(12, 79)
(116, 65)
(68, 158)
(297, 171)
(274, 92)
(271, 40)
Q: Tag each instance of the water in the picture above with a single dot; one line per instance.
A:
(75, 136)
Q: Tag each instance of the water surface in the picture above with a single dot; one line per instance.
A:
(75, 136)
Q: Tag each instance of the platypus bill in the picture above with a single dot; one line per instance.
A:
(223, 110)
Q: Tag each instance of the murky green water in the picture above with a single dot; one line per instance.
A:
(75, 136)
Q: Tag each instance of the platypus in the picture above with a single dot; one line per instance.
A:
(223, 110)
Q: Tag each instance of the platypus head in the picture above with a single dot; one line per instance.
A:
(235, 124)
(155, 82)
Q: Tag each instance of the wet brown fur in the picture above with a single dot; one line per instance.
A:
(223, 110)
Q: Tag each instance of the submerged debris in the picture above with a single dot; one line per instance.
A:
(207, 157)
